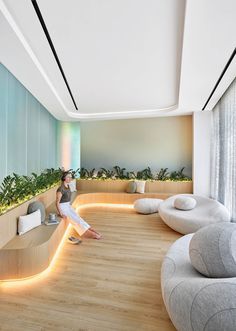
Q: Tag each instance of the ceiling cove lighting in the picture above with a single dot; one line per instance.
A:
(128, 113)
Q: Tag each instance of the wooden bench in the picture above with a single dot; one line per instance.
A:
(85, 197)
(29, 254)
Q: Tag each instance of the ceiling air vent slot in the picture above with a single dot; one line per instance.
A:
(220, 78)
(40, 17)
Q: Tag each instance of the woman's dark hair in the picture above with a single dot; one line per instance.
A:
(63, 177)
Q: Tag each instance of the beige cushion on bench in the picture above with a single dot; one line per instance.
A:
(140, 186)
(131, 187)
(29, 222)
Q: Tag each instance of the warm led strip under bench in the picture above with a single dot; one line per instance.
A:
(30, 254)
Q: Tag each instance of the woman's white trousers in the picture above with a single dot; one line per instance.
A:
(80, 225)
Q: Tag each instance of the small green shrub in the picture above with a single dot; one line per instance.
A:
(120, 172)
(105, 174)
(163, 174)
(74, 172)
(179, 175)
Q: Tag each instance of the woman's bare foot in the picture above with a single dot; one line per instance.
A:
(91, 235)
(99, 234)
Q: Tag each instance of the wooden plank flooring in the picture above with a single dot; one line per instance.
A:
(112, 284)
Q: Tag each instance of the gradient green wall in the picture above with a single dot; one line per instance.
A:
(68, 137)
(28, 131)
(161, 142)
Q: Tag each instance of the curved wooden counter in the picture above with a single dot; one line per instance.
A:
(31, 253)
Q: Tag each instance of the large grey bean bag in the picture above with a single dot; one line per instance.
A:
(207, 211)
(212, 250)
(195, 302)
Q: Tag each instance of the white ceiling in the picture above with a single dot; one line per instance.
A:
(122, 59)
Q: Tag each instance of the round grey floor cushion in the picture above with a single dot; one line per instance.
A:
(212, 250)
(147, 205)
(185, 203)
(206, 212)
(33, 206)
(195, 302)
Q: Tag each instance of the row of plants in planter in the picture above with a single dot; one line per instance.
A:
(16, 189)
(146, 174)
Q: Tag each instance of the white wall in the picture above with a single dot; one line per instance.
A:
(201, 152)
(138, 143)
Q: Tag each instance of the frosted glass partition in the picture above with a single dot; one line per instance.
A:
(27, 130)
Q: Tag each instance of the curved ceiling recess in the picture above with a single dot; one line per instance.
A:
(117, 59)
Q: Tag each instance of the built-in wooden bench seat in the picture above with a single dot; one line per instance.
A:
(85, 197)
(114, 191)
(31, 253)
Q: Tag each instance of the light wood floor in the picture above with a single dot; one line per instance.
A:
(112, 284)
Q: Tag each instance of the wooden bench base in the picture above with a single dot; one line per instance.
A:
(115, 198)
(32, 253)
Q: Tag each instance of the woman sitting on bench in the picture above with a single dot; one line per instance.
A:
(65, 210)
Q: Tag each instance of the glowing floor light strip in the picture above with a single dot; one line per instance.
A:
(32, 279)
(109, 205)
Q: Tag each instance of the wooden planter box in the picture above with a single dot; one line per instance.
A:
(115, 186)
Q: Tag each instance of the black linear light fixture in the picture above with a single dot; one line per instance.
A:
(40, 17)
(220, 78)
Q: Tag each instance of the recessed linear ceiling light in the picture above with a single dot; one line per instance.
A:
(79, 115)
(220, 78)
(40, 17)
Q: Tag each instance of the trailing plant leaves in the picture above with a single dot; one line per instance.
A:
(16, 189)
